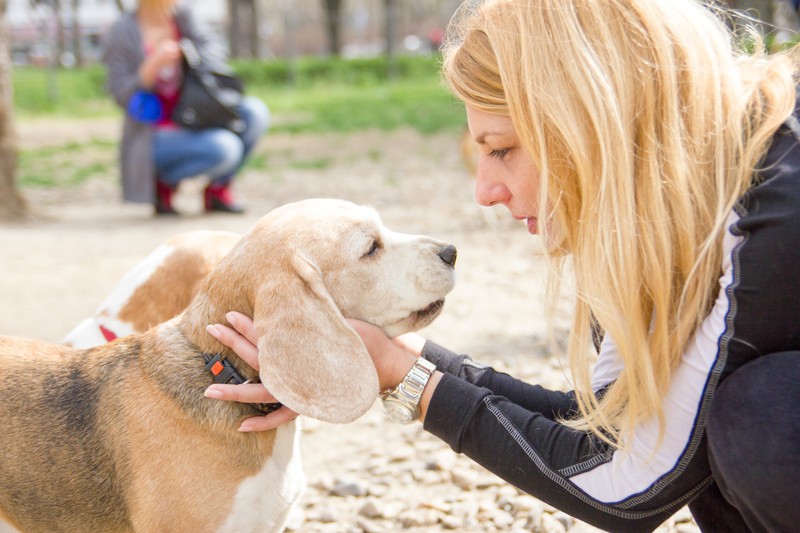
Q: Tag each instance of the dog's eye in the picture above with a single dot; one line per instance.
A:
(374, 247)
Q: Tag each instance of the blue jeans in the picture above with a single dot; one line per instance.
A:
(216, 152)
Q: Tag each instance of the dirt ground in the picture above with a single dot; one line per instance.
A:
(369, 475)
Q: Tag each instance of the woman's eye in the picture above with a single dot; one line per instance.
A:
(499, 154)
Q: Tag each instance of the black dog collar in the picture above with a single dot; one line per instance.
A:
(224, 373)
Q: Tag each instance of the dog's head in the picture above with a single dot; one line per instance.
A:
(317, 262)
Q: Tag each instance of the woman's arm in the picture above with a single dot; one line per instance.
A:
(522, 446)
(122, 56)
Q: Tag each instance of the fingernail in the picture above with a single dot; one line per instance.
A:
(245, 429)
(231, 317)
(213, 393)
(214, 331)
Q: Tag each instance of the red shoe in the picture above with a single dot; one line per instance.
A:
(163, 201)
(219, 198)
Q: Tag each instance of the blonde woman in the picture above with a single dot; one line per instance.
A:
(144, 74)
(665, 166)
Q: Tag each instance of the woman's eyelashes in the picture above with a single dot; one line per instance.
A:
(499, 154)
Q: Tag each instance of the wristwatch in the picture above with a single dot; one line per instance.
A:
(401, 404)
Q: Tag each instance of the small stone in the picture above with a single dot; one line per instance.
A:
(683, 515)
(501, 518)
(463, 478)
(378, 489)
(583, 527)
(565, 519)
(551, 524)
(326, 515)
(349, 488)
(367, 526)
(419, 518)
(371, 509)
(451, 522)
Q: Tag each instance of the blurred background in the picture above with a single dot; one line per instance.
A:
(321, 65)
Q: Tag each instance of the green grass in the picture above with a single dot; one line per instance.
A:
(313, 95)
(69, 164)
(323, 95)
(65, 93)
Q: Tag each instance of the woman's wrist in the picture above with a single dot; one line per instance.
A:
(427, 394)
(398, 362)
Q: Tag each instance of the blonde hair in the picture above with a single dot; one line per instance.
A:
(157, 6)
(646, 125)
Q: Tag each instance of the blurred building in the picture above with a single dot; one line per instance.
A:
(279, 27)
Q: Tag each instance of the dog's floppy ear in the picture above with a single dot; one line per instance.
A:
(311, 359)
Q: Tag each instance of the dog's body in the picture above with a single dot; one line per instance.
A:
(119, 438)
(158, 288)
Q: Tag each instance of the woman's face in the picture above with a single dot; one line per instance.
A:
(506, 175)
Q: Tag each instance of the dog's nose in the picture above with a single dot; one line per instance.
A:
(449, 254)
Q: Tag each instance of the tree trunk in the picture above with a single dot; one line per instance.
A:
(61, 41)
(77, 48)
(392, 17)
(243, 24)
(333, 25)
(12, 206)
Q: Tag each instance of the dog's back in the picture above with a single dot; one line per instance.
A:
(61, 393)
(156, 289)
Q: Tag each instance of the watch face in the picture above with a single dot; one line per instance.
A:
(397, 411)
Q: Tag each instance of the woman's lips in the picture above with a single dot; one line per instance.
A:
(531, 222)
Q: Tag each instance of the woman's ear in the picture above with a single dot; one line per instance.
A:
(311, 359)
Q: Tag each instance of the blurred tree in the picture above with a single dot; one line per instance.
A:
(12, 206)
(77, 47)
(333, 26)
(392, 20)
(243, 24)
(58, 18)
(763, 10)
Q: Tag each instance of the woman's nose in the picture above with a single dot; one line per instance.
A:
(489, 191)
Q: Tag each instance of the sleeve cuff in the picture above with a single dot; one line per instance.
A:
(445, 360)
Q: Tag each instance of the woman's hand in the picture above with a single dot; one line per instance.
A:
(392, 359)
(242, 340)
(167, 55)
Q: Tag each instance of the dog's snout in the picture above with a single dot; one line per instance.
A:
(449, 254)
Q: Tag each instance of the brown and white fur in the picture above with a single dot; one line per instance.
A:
(156, 289)
(119, 438)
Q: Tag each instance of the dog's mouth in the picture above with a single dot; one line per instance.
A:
(429, 311)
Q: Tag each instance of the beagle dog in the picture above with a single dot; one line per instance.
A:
(119, 438)
(158, 288)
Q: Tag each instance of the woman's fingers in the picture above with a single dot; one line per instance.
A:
(413, 342)
(244, 325)
(231, 338)
(243, 339)
(246, 393)
(270, 421)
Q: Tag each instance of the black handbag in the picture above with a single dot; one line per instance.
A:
(208, 99)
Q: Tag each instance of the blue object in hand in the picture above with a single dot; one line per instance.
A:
(145, 107)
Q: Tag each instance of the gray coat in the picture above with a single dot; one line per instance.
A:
(124, 52)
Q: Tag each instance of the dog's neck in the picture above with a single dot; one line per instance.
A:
(210, 307)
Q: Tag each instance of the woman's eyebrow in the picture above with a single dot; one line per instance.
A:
(481, 138)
